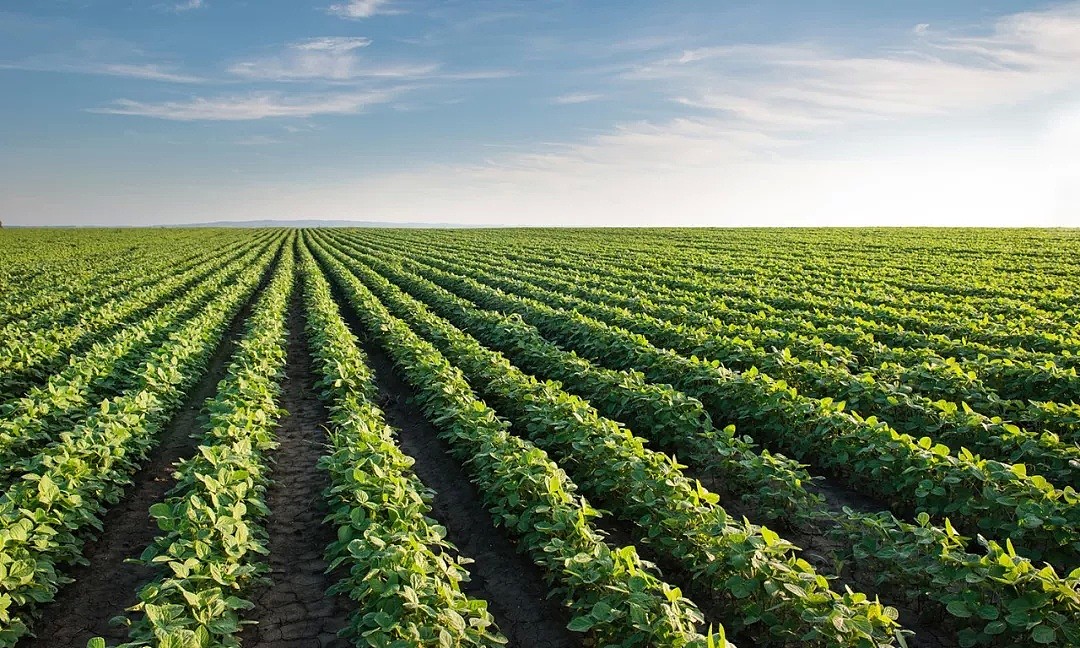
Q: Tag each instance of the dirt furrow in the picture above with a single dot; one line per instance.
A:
(107, 586)
(294, 610)
(511, 584)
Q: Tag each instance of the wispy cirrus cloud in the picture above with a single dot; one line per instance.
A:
(253, 106)
(341, 60)
(473, 75)
(188, 5)
(763, 116)
(804, 87)
(146, 71)
(360, 9)
(332, 44)
(328, 59)
(151, 72)
(576, 98)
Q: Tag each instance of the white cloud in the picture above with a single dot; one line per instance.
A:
(576, 98)
(327, 59)
(792, 134)
(475, 75)
(147, 71)
(252, 106)
(358, 9)
(1054, 33)
(339, 60)
(188, 5)
(805, 87)
(333, 43)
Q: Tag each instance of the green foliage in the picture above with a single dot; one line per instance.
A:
(983, 495)
(109, 367)
(39, 345)
(766, 586)
(211, 547)
(612, 591)
(47, 515)
(402, 572)
(936, 373)
(915, 561)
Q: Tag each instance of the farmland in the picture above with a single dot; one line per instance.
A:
(539, 438)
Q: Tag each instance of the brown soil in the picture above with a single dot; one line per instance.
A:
(293, 609)
(511, 584)
(108, 585)
(838, 496)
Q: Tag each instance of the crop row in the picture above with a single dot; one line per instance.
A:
(901, 394)
(105, 370)
(28, 358)
(916, 267)
(1017, 373)
(983, 495)
(55, 291)
(614, 596)
(803, 286)
(46, 516)
(766, 590)
(993, 385)
(402, 572)
(957, 426)
(940, 271)
(74, 290)
(920, 564)
(212, 540)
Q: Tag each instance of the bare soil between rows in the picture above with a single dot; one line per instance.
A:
(513, 585)
(108, 585)
(294, 609)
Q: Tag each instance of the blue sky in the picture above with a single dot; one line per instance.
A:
(540, 112)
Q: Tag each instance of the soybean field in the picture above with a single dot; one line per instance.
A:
(539, 438)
